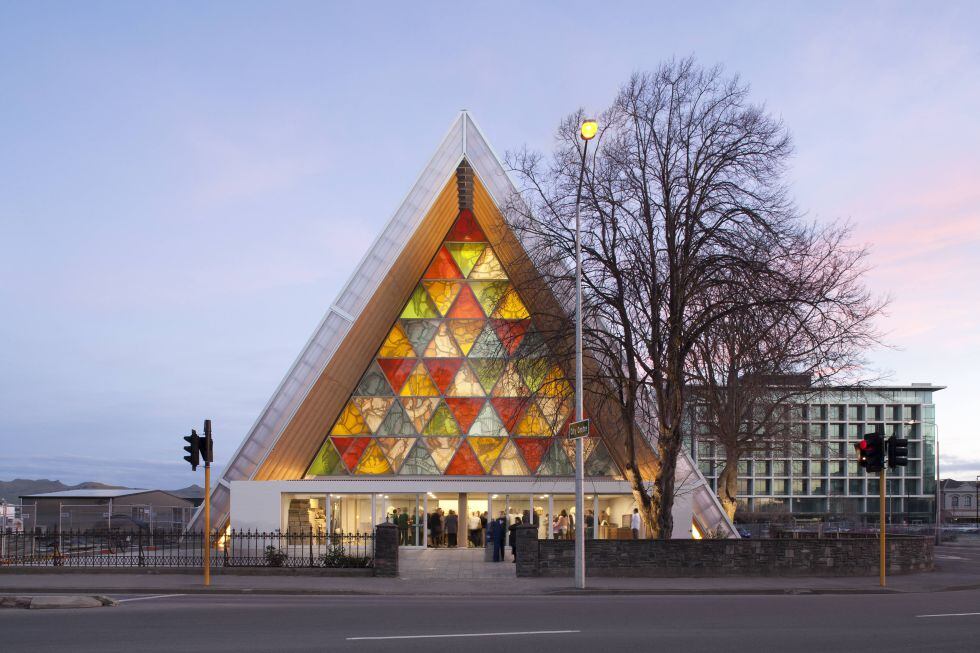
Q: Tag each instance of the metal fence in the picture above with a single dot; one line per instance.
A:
(114, 548)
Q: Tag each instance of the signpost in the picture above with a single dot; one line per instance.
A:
(578, 429)
(200, 447)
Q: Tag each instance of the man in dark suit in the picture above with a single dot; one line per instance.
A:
(498, 531)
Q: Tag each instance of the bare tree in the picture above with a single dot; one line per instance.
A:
(686, 222)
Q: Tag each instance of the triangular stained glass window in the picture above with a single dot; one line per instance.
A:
(419, 462)
(461, 383)
(600, 463)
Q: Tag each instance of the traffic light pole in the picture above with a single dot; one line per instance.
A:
(207, 524)
(881, 554)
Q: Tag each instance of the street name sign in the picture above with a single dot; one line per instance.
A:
(578, 430)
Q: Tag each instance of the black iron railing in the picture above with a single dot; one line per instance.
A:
(101, 549)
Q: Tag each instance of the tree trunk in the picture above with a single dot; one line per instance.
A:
(663, 487)
(643, 500)
(728, 485)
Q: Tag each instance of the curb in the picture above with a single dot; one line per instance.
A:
(55, 602)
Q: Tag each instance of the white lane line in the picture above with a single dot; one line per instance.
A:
(952, 614)
(523, 632)
(146, 598)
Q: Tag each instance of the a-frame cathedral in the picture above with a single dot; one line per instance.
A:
(428, 385)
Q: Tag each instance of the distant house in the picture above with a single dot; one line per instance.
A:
(960, 501)
(119, 509)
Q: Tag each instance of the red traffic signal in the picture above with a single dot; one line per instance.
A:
(871, 452)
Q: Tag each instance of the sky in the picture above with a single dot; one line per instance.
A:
(184, 187)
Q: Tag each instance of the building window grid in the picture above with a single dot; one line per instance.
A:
(826, 416)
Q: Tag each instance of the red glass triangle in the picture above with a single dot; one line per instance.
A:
(466, 305)
(443, 371)
(465, 410)
(396, 370)
(464, 463)
(465, 229)
(509, 409)
(354, 451)
(533, 450)
(341, 443)
(443, 266)
(510, 332)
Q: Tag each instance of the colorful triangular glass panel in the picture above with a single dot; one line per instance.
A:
(466, 384)
(396, 345)
(395, 450)
(442, 450)
(443, 293)
(510, 462)
(419, 306)
(442, 422)
(555, 463)
(488, 267)
(396, 370)
(442, 344)
(464, 463)
(533, 423)
(353, 452)
(487, 450)
(510, 332)
(533, 371)
(419, 462)
(600, 463)
(511, 307)
(466, 229)
(419, 410)
(533, 450)
(419, 384)
(373, 461)
(509, 409)
(465, 333)
(396, 422)
(327, 462)
(443, 371)
(465, 410)
(510, 383)
(373, 409)
(466, 306)
(420, 332)
(443, 267)
(489, 293)
(465, 254)
(350, 422)
(373, 383)
(488, 371)
(488, 423)
(487, 344)
(588, 446)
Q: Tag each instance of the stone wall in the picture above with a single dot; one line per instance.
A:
(386, 550)
(764, 557)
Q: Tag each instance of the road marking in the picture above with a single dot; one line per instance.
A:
(146, 598)
(523, 632)
(942, 557)
(952, 614)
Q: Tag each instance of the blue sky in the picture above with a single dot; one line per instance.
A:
(184, 188)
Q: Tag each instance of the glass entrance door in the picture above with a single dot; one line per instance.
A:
(407, 512)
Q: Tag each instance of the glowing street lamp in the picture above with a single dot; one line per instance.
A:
(587, 131)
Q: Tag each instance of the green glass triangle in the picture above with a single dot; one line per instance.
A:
(419, 306)
(327, 462)
(396, 422)
(419, 462)
(465, 255)
(488, 423)
(600, 463)
(555, 462)
(487, 345)
(488, 370)
(373, 383)
(489, 293)
(420, 332)
(533, 371)
(442, 422)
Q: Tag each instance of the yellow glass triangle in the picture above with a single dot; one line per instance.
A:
(442, 293)
(419, 384)
(533, 423)
(555, 385)
(466, 254)
(350, 422)
(487, 267)
(487, 450)
(489, 293)
(510, 462)
(511, 307)
(396, 345)
(419, 306)
(373, 461)
(442, 344)
(465, 333)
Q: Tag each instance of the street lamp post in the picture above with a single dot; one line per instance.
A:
(587, 131)
(976, 499)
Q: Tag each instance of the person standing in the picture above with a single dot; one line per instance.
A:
(498, 531)
(473, 526)
(635, 524)
(402, 519)
(512, 537)
(452, 529)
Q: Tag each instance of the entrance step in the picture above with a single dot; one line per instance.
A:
(449, 564)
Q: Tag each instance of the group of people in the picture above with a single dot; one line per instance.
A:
(500, 534)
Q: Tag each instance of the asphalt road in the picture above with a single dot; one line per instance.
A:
(535, 623)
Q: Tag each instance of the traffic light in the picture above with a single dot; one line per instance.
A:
(871, 455)
(898, 452)
(193, 449)
(207, 445)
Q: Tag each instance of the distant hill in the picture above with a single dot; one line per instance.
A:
(189, 492)
(11, 491)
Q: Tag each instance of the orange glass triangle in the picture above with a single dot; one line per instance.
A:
(353, 452)
(465, 410)
(465, 305)
(533, 450)
(465, 229)
(510, 332)
(464, 463)
(443, 266)
(509, 409)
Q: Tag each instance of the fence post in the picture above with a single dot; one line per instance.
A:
(386, 550)
(527, 551)
(311, 546)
